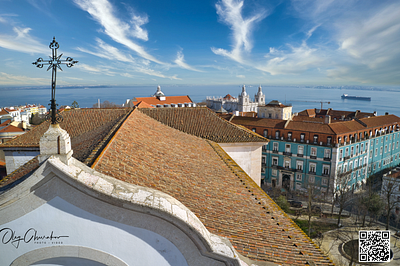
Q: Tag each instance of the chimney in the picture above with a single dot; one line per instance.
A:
(55, 142)
(386, 113)
(327, 119)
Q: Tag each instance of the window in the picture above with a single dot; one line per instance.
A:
(312, 168)
(274, 160)
(386, 149)
(324, 181)
(274, 172)
(376, 141)
(366, 146)
(299, 165)
(315, 138)
(311, 179)
(339, 169)
(329, 140)
(362, 148)
(289, 135)
(265, 133)
(287, 148)
(254, 130)
(263, 159)
(352, 151)
(300, 150)
(370, 154)
(351, 166)
(277, 134)
(355, 163)
(327, 153)
(339, 140)
(302, 137)
(269, 115)
(390, 146)
(381, 150)
(276, 146)
(313, 151)
(376, 151)
(346, 154)
(397, 145)
(325, 169)
(357, 150)
(340, 154)
(287, 164)
(299, 177)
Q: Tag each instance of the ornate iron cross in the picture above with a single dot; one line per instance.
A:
(54, 63)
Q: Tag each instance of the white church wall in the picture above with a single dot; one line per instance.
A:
(74, 210)
(15, 159)
(247, 156)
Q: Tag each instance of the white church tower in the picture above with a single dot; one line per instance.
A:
(259, 97)
(244, 100)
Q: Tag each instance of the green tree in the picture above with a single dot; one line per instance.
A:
(283, 203)
(75, 104)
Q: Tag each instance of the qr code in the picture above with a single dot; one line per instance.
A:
(374, 246)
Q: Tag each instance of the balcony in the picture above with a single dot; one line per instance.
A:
(313, 156)
(300, 155)
(287, 153)
(325, 174)
(311, 172)
(275, 151)
(327, 158)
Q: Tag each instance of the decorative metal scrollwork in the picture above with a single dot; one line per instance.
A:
(54, 63)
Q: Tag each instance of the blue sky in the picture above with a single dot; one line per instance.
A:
(269, 42)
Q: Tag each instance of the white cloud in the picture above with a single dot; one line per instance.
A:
(295, 61)
(107, 51)
(119, 31)
(22, 41)
(241, 76)
(180, 61)
(9, 79)
(230, 13)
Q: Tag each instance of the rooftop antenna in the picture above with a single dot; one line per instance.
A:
(54, 63)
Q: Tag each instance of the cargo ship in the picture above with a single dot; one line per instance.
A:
(346, 96)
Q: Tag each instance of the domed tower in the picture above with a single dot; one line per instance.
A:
(244, 98)
(259, 97)
(158, 92)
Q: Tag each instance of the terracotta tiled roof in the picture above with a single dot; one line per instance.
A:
(308, 126)
(204, 178)
(143, 105)
(20, 173)
(86, 127)
(259, 122)
(3, 112)
(203, 123)
(11, 128)
(168, 100)
(383, 120)
(229, 97)
(5, 123)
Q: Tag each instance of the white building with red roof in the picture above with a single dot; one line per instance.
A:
(159, 100)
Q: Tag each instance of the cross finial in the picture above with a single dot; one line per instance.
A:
(54, 63)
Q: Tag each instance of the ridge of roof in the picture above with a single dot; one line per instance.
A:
(90, 160)
(203, 123)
